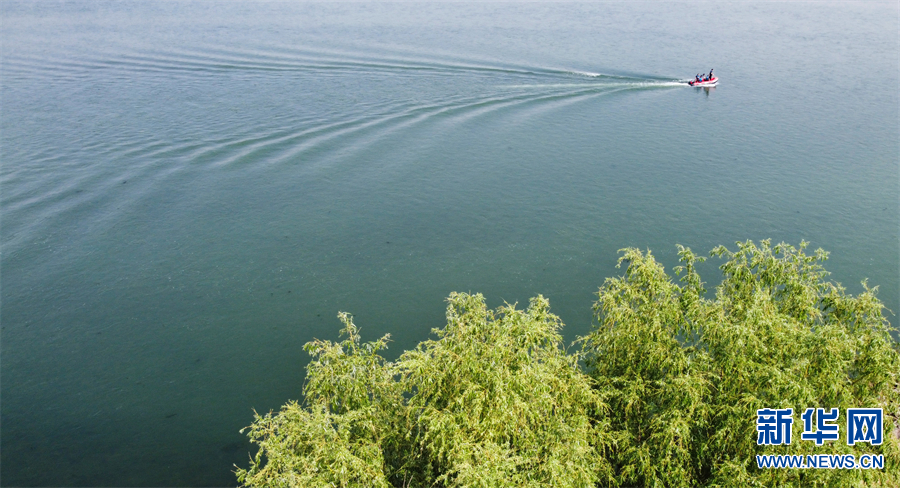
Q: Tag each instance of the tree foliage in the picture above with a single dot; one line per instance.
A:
(339, 437)
(685, 374)
(499, 403)
(663, 392)
(493, 401)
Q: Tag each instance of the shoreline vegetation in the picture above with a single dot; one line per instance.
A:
(662, 392)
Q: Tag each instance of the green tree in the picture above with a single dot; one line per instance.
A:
(686, 374)
(494, 401)
(341, 435)
(499, 403)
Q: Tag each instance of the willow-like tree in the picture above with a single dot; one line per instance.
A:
(497, 402)
(494, 401)
(686, 374)
(344, 433)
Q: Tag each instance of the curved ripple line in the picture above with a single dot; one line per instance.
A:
(211, 61)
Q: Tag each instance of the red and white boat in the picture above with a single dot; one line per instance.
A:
(710, 82)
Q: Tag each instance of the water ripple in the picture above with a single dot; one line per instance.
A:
(90, 170)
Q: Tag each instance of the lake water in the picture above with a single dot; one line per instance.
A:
(193, 190)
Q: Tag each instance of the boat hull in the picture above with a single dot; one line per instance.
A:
(711, 82)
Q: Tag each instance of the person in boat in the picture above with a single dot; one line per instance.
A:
(697, 77)
(710, 75)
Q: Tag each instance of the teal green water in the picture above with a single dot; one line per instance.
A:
(191, 191)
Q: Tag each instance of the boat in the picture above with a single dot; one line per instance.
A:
(711, 82)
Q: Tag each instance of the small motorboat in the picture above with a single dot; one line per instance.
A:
(710, 82)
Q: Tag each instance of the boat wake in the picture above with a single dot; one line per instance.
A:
(437, 96)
